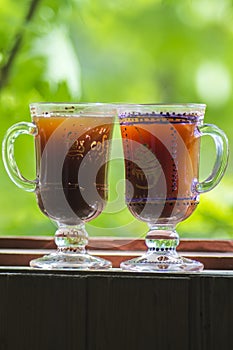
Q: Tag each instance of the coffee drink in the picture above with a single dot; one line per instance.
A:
(161, 165)
(66, 148)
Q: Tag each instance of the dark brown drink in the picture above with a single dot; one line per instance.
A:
(161, 164)
(66, 148)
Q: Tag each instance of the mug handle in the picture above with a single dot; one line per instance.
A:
(221, 145)
(8, 154)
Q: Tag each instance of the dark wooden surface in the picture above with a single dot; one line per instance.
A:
(109, 310)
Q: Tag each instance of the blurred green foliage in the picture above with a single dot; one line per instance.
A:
(110, 51)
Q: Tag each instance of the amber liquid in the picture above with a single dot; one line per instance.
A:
(161, 166)
(67, 147)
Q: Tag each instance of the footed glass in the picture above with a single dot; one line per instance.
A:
(72, 143)
(161, 146)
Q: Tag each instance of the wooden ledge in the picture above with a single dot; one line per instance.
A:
(18, 251)
(110, 243)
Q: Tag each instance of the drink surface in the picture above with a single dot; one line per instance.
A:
(161, 166)
(72, 154)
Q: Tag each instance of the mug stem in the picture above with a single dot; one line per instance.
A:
(161, 254)
(71, 252)
(71, 239)
(162, 238)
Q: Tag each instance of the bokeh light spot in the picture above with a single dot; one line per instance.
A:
(213, 83)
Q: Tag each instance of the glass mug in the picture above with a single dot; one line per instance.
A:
(161, 145)
(72, 143)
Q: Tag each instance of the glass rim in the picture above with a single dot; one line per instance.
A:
(188, 104)
(187, 111)
(36, 104)
(100, 109)
(131, 104)
(181, 106)
(52, 109)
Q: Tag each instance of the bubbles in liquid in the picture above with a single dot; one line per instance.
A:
(63, 146)
(173, 142)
